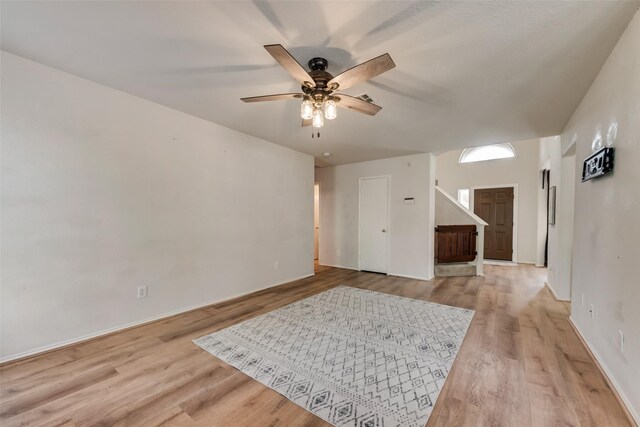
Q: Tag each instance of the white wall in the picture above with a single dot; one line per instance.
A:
(521, 170)
(607, 213)
(103, 192)
(564, 227)
(411, 225)
(562, 174)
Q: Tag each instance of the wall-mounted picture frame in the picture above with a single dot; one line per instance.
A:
(552, 205)
(598, 164)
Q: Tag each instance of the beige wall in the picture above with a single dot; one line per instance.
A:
(607, 218)
(103, 192)
(521, 170)
(411, 225)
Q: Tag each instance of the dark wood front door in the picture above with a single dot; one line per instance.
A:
(495, 206)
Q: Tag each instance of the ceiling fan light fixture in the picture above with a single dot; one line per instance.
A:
(317, 119)
(330, 109)
(319, 100)
(306, 109)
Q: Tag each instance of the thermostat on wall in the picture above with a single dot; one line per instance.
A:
(409, 200)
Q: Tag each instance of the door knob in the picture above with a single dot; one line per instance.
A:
(384, 230)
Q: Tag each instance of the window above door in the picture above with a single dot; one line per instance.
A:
(487, 152)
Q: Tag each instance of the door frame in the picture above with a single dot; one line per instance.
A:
(314, 221)
(472, 191)
(388, 233)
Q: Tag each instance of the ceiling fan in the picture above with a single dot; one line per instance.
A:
(319, 88)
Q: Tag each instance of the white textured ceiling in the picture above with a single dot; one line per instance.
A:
(468, 73)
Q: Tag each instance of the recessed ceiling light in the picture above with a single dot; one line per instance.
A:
(327, 154)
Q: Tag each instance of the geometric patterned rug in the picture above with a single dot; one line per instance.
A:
(353, 357)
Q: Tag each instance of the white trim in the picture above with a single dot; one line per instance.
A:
(555, 295)
(627, 402)
(82, 338)
(388, 233)
(338, 266)
(500, 263)
(410, 277)
(472, 190)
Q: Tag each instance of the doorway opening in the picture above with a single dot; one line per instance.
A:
(498, 206)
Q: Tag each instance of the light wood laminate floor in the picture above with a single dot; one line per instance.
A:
(521, 364)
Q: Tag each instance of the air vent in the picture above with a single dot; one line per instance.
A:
(365, 97)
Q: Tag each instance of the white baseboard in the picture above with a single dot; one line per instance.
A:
(555, 295)
(513, 263)
(389, 274)
(337, 266)
(410, 277)
(625, 402)
(77, 340)
(501, 263)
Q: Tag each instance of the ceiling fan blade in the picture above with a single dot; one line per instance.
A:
(290, 64)
(305, 123)
(363, 72)
(277, 97)
(353, 103)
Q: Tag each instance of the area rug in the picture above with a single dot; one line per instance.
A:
(353, 357)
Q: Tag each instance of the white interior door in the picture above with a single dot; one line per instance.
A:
(374, 229)
(316, 221)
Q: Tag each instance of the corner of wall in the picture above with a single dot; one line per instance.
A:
(431, 215)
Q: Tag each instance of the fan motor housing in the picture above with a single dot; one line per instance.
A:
(318, 64)
(319, 75)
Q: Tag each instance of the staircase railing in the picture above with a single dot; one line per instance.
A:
(449, 212)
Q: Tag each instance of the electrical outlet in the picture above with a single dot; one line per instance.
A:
(621, 339)
(592, 311)
(142, 291)
(276, 265)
